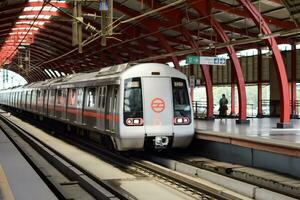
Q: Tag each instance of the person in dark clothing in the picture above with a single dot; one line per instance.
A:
(223, 106)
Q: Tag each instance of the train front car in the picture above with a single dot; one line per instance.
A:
(155, 108)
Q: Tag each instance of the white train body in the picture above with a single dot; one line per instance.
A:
(137, 107)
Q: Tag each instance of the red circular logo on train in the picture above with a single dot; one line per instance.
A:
(158, 105)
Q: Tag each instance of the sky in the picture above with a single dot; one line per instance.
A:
(10, 79)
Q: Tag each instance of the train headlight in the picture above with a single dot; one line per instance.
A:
(129, 121)
(134, 121)
(182, 120)
(179, 120)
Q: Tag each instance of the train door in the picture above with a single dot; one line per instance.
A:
(79, 104)
(101, 107)
(111, 108)
(158, 107)
(65, 101)
(107, 107)
(90, 115)
(114, 110)
(46, 102)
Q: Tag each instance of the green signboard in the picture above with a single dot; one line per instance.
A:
(205, 60)
(193, 60)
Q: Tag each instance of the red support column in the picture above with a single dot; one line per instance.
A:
(259, 84)
(203, 8)
(152, 26)
(278, 61)
(294, 81)
(232, 113)
(209, 92)
(232, 100)
(207, 78)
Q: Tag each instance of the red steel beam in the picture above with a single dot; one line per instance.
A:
(203, 8)
(278, 61)
(177, 15)
(151, 26)
(9, 8)
(240, 12)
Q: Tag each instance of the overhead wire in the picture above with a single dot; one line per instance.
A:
(93, 38)
(137, 38)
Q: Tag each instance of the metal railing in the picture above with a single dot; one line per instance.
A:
(273, 108)
(200, 109)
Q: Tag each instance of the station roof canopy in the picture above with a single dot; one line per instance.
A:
(36, 36)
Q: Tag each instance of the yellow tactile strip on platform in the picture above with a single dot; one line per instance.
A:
(5, 191)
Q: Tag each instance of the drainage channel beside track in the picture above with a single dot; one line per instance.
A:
(109, 175)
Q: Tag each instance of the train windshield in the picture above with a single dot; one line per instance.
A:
(180, 98)
(133, 104)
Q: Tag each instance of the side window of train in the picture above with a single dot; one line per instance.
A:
(52, 97)
(28, 95)
(90, 97)
(30, 98)
(80, 97)
(116, 89)
(72, 97)
(38, 94)
(46, 99)
(64, 96)
(24, 98)
(100, 97)
(33, 98)
(104, 94)
(59, 97)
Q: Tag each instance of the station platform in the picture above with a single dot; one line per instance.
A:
(18, 180)
(258, 144)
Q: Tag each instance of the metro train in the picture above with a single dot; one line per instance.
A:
(134, 106)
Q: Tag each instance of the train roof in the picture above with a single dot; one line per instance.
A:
(107, 74)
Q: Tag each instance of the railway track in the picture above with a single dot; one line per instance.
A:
(194, 188)
(52, 168)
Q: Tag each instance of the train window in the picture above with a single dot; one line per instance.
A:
(72, 97)
(115, 98)
(180, 98)
(59, 97)
(133, 103)
(79, 97)
(100, 97)
(23, 98)
(38, 97)
(44, 98)
(90, 97)
(33, 98)
(52, 97)
(28, 97)
(104, 90)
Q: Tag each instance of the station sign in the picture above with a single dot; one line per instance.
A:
(205, 60)
(103, 5)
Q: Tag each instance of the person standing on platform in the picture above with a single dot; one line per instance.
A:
(223, 106)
